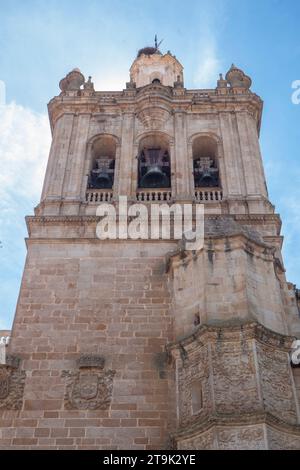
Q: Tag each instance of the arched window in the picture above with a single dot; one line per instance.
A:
(103, 163)
(154, 169)
(205, 167)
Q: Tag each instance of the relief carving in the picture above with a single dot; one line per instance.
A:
(91, 360)
(12, 381)
(283, 441)
(235, 386)
(203, 442)
(4, 385)
(90, 387)
(276, 380)
(241, 438)
(195, 368)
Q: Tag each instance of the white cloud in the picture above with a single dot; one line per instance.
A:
(24, 147)
(209, 65)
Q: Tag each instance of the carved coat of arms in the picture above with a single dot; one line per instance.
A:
(90, 387)
(12, 381)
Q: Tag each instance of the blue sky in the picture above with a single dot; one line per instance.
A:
(40, 41)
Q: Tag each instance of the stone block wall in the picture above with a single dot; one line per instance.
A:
(84, 298)
(231, 278)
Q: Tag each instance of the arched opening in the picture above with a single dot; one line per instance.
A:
(205, 165)
(154, 168)
(103, 163)
(156, 81)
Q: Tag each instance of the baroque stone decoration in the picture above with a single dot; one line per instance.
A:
(12, 381)
(242, 382)
(198, 342)
(89, 388)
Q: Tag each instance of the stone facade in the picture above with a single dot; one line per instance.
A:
(142, 344)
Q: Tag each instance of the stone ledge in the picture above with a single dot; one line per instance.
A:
(217, 419)
(50, 219)
(251, 330)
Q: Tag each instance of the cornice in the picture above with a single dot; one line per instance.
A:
(261, 218)
(239, 419)
(227, 330)
(191, 101)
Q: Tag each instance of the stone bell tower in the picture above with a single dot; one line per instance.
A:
(142, 344)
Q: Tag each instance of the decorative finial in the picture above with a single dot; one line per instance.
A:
(89, 84)
(72, 81)
(237, 78)
(221, 83)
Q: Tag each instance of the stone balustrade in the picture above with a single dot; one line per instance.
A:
(154, 195)
(208, 195)
(94, 196)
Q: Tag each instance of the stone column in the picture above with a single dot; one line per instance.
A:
(251, 172)
(117, 171)
(190, 168)
(232, 167)
(57, 162)
(173, 168)
(222, 169)
(76, 159)
(256, 154)
(182, 189)
(127, 157)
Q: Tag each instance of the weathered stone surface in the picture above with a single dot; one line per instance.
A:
(134, 344)
(89, 389)
(280, 440)
(277, 383)
(246, 383)
(12, 383)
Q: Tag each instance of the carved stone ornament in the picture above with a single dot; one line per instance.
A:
(90, 387)
(72, 81)
(4, 384)
(87, 360)
(12, 381)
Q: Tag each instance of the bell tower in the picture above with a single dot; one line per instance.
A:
(141, 343)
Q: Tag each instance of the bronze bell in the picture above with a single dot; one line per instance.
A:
(207, 177)
(154, 178)
(103, 181)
